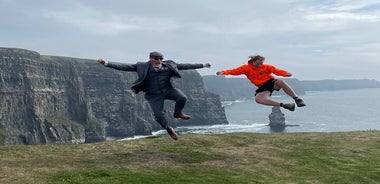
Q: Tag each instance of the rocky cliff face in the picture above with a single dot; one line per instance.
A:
(48, 99)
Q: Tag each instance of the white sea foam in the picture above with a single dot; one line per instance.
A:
(228, 103)
(217, 129)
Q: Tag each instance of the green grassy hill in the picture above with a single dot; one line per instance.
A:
(346, 157)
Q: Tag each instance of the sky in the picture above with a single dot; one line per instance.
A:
(312, 39)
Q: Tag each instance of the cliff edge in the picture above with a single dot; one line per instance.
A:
(63, 100)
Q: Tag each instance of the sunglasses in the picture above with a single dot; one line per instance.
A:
(158, 58)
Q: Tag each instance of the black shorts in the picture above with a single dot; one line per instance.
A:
(267, 86)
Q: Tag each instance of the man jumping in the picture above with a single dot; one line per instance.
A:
(154, 78)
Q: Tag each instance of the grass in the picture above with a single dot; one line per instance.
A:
(345, 157)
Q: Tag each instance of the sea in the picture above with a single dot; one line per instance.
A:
(326, 111)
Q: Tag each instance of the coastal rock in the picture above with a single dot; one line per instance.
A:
(62, 100)
(276, 118)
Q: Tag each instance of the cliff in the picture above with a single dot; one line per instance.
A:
(59, 100)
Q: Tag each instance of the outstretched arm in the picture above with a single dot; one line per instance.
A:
(192, 66)
(236, 71)
(124, 67)
(281, 72)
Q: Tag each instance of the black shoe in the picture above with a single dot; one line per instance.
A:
(172, 133)
(289, 106)
(300, 102)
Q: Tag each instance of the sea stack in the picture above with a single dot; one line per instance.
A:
(277, 119)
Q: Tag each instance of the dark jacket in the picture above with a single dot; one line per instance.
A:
(142, 69)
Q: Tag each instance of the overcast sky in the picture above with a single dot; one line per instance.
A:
(312, 39)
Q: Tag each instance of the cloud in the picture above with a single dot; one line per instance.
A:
(112, 25)
(353, 5)
(339, 15)
(302, 36)
(343, 16)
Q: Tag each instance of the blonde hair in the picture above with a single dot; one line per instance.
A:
(256, 58)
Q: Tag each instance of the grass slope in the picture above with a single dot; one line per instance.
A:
(346, 157)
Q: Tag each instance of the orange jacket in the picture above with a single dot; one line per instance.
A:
(257, 76)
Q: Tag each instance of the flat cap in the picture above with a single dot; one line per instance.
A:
(155, 54)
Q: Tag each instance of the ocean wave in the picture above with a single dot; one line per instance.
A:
(228, 103)
(218, 129)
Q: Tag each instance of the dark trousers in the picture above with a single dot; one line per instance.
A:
(156, 102)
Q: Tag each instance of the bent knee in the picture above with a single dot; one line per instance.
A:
(259, 99)
(182, 99)
(279, 84)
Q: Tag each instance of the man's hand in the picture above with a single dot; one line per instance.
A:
(288, 75)
(219, 73)
(101, 61)
(207, 65)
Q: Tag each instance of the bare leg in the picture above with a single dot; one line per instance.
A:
(263, 98)
(289, 90)
(286, 87)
